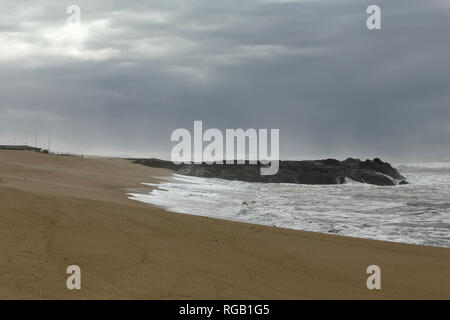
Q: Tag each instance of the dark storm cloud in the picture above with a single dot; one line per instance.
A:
(137, 70)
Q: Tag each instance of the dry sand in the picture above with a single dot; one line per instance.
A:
(56, 211)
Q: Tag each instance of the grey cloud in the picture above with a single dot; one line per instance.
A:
(310, 68)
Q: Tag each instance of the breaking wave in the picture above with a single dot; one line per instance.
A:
(418, 213)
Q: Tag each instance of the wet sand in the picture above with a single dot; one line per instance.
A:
(56, 211)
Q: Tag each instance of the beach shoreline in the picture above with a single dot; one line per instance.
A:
(57, 211)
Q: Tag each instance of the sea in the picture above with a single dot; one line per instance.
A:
(417, 213)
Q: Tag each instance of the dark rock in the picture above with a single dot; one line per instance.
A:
(329, 171)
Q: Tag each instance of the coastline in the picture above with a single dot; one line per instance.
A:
(58, 211)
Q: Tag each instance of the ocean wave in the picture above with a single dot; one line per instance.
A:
(417, 213)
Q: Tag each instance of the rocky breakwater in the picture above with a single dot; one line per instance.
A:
(329, 171)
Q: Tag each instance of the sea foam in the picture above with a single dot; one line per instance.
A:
(417, 213)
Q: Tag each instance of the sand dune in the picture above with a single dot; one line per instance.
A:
(56, 211)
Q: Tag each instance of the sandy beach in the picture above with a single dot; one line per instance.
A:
(56, 211)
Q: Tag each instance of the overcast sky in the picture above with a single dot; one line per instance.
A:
(136, 70)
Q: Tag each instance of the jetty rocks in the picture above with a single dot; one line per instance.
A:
(329, 171)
